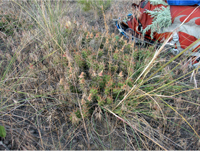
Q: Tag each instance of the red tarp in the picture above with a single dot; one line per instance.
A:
(188, 33)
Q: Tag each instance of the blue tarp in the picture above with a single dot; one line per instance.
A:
(183, 2)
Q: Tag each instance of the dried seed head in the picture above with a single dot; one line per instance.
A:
(75, 119)
(114, 40)
(101, 73)
(132, 45)
(91, 35)
(125, 42)
(3, 19)
(62, 81)
(116, 50)
(70, 76)
(110, 48)
(87, 36)
(122, 49)
(107, 35)
(83, 102)
(31, 66)
(98, 115)
(64, 55)
(120, 74)
(121, 38)
(68, 24)
(97, 35)
(90, 97)
(107, 41)
(66, 87)
(81, 75)
(82, 81)
(94, 74)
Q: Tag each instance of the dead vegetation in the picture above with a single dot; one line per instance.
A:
(64, 74)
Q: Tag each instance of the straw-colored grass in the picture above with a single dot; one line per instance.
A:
(69, 81)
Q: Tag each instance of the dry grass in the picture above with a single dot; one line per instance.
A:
(63, 86)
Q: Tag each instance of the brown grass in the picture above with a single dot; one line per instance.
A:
(61, 85)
